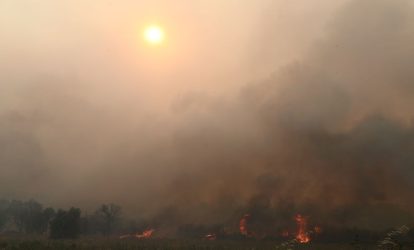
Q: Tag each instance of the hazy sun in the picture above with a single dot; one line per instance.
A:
(154, 34)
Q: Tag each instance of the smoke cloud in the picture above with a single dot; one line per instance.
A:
(328, 133)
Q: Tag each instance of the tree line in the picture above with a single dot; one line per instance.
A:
(31, 217)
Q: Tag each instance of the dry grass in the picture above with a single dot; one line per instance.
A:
(107, 244)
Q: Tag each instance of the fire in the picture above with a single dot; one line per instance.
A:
(146, 234)
(302, 235)
(243, 225)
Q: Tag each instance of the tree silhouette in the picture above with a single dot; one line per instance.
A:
(109, 215)
(66, 224)
(4, 206)
(29, 216)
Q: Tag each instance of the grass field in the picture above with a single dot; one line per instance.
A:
(89, 243)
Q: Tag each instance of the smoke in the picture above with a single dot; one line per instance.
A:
(329, 135)
(332, 131)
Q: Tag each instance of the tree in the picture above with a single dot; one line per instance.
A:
(109, 215)
(4, 207)
(66, 224)
(47, 216)
(29, 216)
(16, 213)
(32, 216)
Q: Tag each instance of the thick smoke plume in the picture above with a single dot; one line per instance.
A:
(330, 136)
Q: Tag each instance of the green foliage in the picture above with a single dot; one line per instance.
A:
(66, 224)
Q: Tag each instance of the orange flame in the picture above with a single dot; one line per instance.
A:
(243, 225)
(302, 236)
(146, 234)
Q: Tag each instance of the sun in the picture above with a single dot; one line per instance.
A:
(154, 35)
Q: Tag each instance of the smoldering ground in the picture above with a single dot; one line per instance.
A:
(329, 135)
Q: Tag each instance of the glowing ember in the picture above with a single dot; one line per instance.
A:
(210, 237)
(302, 236)
(243, 225)
(146, 234)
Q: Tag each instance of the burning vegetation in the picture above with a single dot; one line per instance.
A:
(330, 137)
(146, 234)
(252, 226)
(243, 226)
(302, 235)
(248, 228)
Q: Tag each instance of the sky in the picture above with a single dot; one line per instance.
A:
(245, 104)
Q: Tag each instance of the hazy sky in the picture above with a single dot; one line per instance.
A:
(211, 45)
(283, 92)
